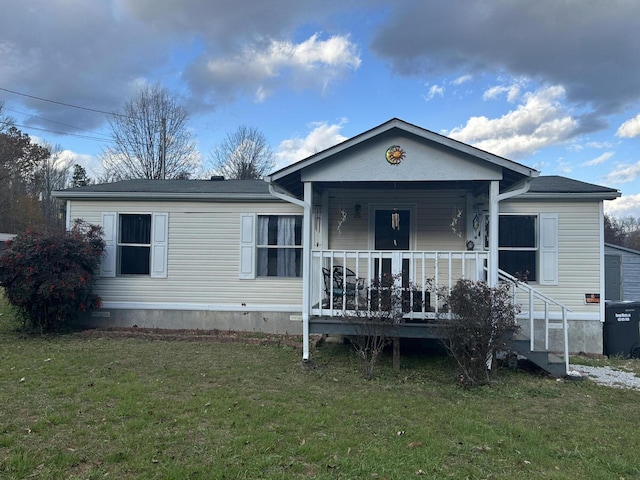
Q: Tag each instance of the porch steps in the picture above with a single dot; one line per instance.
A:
(548, 361)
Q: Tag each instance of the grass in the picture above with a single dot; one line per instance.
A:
(89, 407)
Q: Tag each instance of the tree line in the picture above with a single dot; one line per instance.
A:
(624, 232)
(150, 139)
(29, 172)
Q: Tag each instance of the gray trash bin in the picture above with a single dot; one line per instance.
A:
(622, 329)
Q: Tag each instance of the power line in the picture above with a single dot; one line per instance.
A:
(95, 110)
(53, 121)
(87, 137)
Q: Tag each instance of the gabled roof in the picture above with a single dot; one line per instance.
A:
(238, 190)
(291, 173)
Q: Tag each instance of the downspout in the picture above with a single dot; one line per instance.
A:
(306, 258)
(494, 215)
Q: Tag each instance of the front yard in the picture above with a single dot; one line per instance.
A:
(95, 406)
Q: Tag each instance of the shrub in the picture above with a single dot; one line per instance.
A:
(482, 323)
(49, 277)
(376, 322)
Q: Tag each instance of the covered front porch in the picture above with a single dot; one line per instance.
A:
(399, 205)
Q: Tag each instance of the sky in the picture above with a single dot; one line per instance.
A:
(552, 84)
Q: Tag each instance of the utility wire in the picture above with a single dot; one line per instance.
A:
(62, 103)
(88, 137)
(53, 121)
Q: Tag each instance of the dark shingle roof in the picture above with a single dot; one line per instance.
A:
(171, 189)
(259, 189)
(558, 184)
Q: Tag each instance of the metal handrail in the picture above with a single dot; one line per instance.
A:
(534, 294)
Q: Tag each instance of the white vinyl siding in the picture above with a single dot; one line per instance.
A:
(578, 248)
(203, 258)
(431, 225)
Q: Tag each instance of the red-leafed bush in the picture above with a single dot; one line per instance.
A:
(49, 277)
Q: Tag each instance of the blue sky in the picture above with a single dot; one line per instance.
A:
(552, 84)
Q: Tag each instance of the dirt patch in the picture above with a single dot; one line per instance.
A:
(155, 334)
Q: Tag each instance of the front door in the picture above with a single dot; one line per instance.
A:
(392, 233)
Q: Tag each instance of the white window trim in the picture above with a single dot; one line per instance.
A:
(546, 247)
(159, 244)
(249, 244)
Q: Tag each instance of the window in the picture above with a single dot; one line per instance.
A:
(279, 246)
(134, 244)
(518, 246)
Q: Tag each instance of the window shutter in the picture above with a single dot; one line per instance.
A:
(548, 249)
(159, 244)
(110, 235)
(248, 246)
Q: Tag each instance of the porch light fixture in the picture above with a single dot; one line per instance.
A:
(357, 208)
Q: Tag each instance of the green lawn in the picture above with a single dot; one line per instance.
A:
(88, 407)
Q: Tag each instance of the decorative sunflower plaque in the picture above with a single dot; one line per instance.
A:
(394, 154)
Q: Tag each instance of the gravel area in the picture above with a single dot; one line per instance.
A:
(607, 376)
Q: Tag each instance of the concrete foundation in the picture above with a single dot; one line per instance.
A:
(282, 323)
(584, 336)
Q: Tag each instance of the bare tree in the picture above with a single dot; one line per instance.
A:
(151, 139)
(51, 174)
(243, 154)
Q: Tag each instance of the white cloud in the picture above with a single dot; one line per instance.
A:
(321, 137)
(512, 91)
(433, 91)
(624, 173)
(462, 79)
(630, 128)
(598, 160)
(313, 63)
(624, 206)
(599, 145)
(563, 167)
(538, 122)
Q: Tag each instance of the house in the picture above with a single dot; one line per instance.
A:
(622, 273)
(396, 201)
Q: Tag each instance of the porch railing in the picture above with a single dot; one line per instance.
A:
(540, 311)
(361, 272)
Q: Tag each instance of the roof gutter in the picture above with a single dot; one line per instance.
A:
(306, 258)
(238, 197)
(495, 197)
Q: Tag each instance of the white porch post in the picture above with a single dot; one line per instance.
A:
(492, 274)
(306, 268)
(495, 197)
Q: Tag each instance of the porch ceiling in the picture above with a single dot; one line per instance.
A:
(478, 187)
